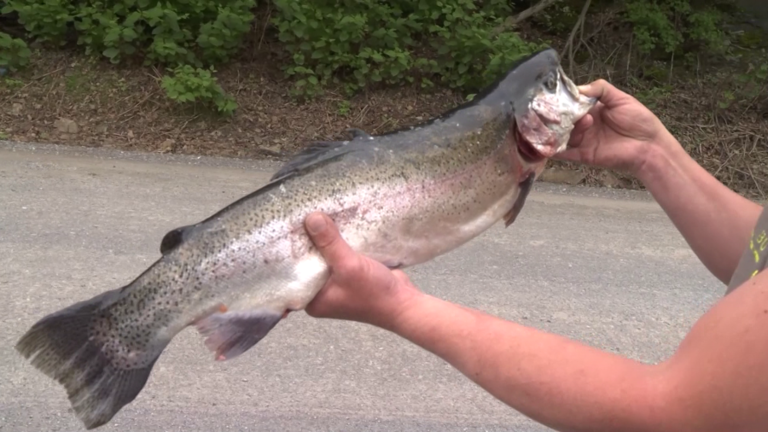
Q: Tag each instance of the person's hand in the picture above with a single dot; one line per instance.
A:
(359, 288)
(618, 133)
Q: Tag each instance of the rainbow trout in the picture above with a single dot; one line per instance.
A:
(401, 198)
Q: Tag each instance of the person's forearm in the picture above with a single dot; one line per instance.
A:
(560, 383)
(715, 221)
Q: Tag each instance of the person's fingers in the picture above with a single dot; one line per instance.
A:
(585, 123)
(325, 235)
(575, 140)
(325, 302)
(604, 91)
(400, 276)
(581, 126)
(570, 155)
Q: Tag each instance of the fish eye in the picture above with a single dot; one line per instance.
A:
(551, 82)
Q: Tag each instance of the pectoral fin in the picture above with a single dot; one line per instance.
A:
(525, 187)
(230, 334)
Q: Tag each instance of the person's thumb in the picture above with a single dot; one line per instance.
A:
(325, 235)
(604, 91)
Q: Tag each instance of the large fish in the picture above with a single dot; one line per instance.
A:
(401, 198)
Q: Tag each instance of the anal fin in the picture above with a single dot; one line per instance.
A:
(230, 334)
(525, 188)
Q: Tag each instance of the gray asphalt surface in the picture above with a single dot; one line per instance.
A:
(603, 267)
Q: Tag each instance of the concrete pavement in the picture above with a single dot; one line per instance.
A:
(603, 267)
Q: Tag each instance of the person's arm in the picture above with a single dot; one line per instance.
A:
(714, 382)
(558, 382)
(715, 221)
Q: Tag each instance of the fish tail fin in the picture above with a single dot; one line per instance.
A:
(66, 348)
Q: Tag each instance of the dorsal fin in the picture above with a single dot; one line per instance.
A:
(359, 133)
(174, 238)
(312, 154)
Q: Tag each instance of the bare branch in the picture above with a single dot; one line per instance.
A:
(579, 24)
(531, 11)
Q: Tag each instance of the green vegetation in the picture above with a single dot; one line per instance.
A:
(188, 84)
(454, 43)
(177, 33)
(666, 52)
(14, 53)
(670, 24)
(173, 32)
(367, 41)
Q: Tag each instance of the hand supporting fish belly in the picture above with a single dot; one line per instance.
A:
(402, 198)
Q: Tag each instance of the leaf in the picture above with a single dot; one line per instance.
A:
(129, 34)
(111, 52)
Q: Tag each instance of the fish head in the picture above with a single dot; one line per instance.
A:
(545, 117)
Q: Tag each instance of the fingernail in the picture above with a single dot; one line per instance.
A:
(315, 224)
(583, 88)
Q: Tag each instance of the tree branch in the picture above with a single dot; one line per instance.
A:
(569, 44)
(531, 11)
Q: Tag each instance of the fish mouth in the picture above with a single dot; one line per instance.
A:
(526, 150)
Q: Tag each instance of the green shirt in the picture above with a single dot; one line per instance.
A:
(753, 260)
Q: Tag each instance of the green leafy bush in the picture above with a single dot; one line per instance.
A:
(190, 85)
(748, 86)
(668, 24)
(14, 53)
(367, 41)
(169, 32)
(45, 20)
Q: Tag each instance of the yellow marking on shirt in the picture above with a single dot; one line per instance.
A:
(762, 240)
